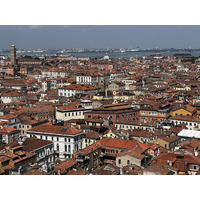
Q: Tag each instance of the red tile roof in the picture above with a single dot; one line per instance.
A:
(114, 143)
(185, 118)
(7, 130)
(133, 153)
(33, 143)
(49, 128)
(8, 116)
(92, 135)
(106, 170)
(64, 165)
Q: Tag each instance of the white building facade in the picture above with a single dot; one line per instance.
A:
(73, 89)
(66, 140)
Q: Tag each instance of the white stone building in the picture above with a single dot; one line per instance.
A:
(10, 97)
(68, 112)
(66, 139)
(11, 121)
(54, 73)
(87, 78)
(191, 122)
(73, 89)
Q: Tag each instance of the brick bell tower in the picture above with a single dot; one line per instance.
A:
(13, 55)
(102, 83)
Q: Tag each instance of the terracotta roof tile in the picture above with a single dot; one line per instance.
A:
(64, 165)
(33, 143)
(49, 128)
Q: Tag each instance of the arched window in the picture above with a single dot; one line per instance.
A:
(65, 147)
(57, 147)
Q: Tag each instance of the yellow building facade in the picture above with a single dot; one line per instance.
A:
(180, 112)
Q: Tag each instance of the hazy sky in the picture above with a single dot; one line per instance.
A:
(99, 36)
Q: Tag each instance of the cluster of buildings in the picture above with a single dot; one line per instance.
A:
(68, 115)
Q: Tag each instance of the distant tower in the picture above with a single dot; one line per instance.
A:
(102, 83)
(13, 55)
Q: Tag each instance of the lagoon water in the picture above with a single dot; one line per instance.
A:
(113, 54)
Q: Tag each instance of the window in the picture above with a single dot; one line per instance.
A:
(165, 146)
(57, 147)
(65, 139)
(68, 140)
(107, 150)
(119, 161)
(116, 151)
(69, 149)
(112, 151)
(194, 167)
(128, 162)
(65, 147)
(57, 138)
